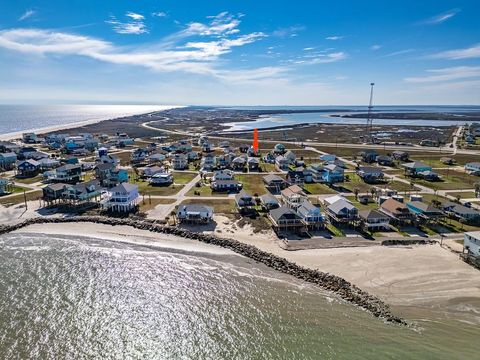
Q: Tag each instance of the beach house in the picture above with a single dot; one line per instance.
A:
(87, 193)
(54, 192)
(122, 198)
(333, 174)
(413, 169)
(223, 175)
(244, 202)
(473, 167)
(311, 215)
(293, 196)
(281, 163)
(373, 220)
(28, 168)
(269, 201)
(7, 160)
(4, 186)
(425, 211)
(194, 214)
(68, 173)
(274, 183)
(471, 243)
(226, 185)
(370, 174)
(461, 212)
(397, 211)
(179, 162)
(342, 211)
(285, 219)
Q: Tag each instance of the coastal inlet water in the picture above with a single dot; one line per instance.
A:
(82, 298)
(14, 118)
(324, 116)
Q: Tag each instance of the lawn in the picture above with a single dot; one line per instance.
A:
(205, 190)
(451, 180)
(151, 203)
(400, 186)
(252, 183)
(124, 157)
(183, 177)
(359, 206)
(355, 182)
(30, 180)
(144, 188)
(463, 195)
(318, 189)
(19, 198)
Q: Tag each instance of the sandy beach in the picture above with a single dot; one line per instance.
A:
(424, 275)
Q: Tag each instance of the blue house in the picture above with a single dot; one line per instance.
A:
(333, 174)
(7, 160)
(425, 211)
(415, 168)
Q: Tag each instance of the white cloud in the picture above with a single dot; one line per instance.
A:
(159, 14)
(308, 49)
(335, 37)
(291, 31)
(220, 25)
(456, 54)
(134, 25)
(135, 16)
(192, 57)
(375, 47)
(400, 52)
(27, 14)
(321, 58)
(447, 74)
(440, 18)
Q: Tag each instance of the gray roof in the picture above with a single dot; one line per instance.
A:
(124, 187)
(337, 206)
(269, 198)
(195, 208)
(272, 177)
(283, 211)
(242, 194)
(305, 207)
(415, 164)
(372, 214)
(425, 207)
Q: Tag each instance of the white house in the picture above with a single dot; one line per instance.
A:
(223, 175)
(281, 163)
(122, 198)
(472, 166)
(471, 243)
(161, 179)
(199, 214)
(179, 162)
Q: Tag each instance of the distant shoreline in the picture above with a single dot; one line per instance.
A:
(74, 125)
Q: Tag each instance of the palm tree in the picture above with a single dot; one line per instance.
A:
(356, 191)
(477, 189)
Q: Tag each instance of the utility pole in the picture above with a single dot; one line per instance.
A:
(369, 127)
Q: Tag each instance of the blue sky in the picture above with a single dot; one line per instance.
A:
(240, 52)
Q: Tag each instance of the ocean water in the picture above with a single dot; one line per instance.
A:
(76, 297)
(15, 118)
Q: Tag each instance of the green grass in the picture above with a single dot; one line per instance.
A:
(335, 231)
(183, 177)
(317, 189)
(463, 195)
(355, 182)
(152, 203)
(29, 180)
(19, 198)
(144, 188)
(252, 183)
(205, 190)
(451, 180)
(360, 206)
